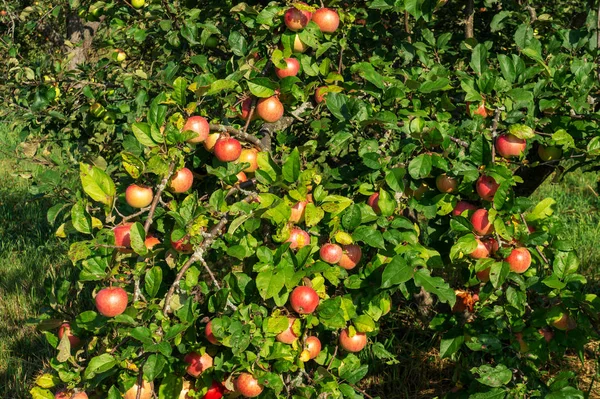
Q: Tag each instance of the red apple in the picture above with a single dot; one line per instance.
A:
(215, 391)
(269, 109)
(182, 245)
(181, 181)
(548, 334)
(151, 241)
(197, 363)
(320, 94)
(352, 344)
(491, 244)
(249, 156)
(138, 196)
(446, 184)
(486, 187)
(331, 253)
(79, 395)
(210, 141)
(550, 153)
(481, 223)
(247, 386)
(313, 346)
(122, 238)
(227, 149)
(299, 45)
(287, 336)
(373, 202)
(298, 238)
(484, 275)
(350, 257)
(209, 334)
(62, 394)
(481, 110)
(198, 125)
(481, 251)
(246, 108)
(298, 209)
(291, 69)
(462, 206)
(241, 177)
(565, 323)
(327, 19)
(509, 145)
(519, 260)
(111, 301)
(296, 19)
(304, 300)
(147, 391)
(65, 328)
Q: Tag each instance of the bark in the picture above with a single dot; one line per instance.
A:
(81, 35)
(533, 177)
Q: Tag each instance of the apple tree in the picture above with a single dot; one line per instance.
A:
(261, 186)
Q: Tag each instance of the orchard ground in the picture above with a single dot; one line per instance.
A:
(29, 252)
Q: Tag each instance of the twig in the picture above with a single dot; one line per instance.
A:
(210, 273)
(140, 384)
(469, 20)
(240, 187)
(133, 215)
(332, 358)
(161, 188)
(361, 391)
(238, 133)
(532, 13)
(407, 26)
(460, 142)
(497, 113)
(254, 99)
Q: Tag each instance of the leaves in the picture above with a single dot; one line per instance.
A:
(97, 184)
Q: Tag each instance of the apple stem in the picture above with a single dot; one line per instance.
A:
(161, 187)
(238, 133)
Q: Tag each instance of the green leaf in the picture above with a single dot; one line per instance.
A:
(435, 285)
(429, 86)
(479, 58)
(152, 281)
(498, 273)
(81, 220)
(494, 377)
(262, 87)
(542, 210)
(352, 217)
(221, 85)
(566, 393)
(313, 215)
(291, 167)
(153, 366)
(269, 283)
(137, 237)
(132, 164)
(97, 184)
(451, 343)
(99, 365)
(369, 236)
(364, 323)
(420, 166)
(180, 91)
(521, 131)
(142, 133)
(238, 43)
(40, 393)
(367, 72)
(170, 387)
(463, 246)
(396, 272)
(395, 179)
(337, 105)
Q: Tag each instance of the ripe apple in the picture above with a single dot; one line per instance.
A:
(299, 45)
(549, 153)
(210, 141)
(209, 334)
(327, 19)
(313, 346)
(509, 145)
(287, 336)
(298, 209)
(296, 19)
(122, 238)
(519, 260)
(304, 300)
(331, 253)
(352, 344)
(246, 108)
(138, 3)
(111, 301)
(373, 202)
(248, 386)
(486, 187)
(565, 323)
(249, 156)
(481, 251)
(182, 245)
(198, 125)
(147, 391)
(215, 391)
(320, 94)
(462, 206)
(484, 275)
(269, 109)
(419, 192)
(548, 334)
(62, 394)
(138, 196)
(298, 238)
(181, 181)
(350, 257)
(65, 328)
(3, 13)
(481, 110)
(291, 69)
(79, 395)
(121, 56)
(481, 223)
(197, 363)
(151, 241)
(446, 184)
(227, 149)
(241, 177)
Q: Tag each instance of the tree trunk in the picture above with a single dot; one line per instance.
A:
(81, 35)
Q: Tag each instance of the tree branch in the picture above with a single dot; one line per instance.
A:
(497, 113)
(161, 188)
(469, 20)
(407, 26)
(238, 133)
(460, 142)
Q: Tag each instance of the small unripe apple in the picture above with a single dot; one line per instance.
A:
(65, 328)
(350, 257)
(292, 68)
(249, 156)
(462, 206)
(313, 346)
(210, 141)
(208, 333)
(138, 196)
(146, 391)
(331, 253)
(248, 386)
(197, 363)
(509, 145)
(138, 3)
(320, 94)
(446, 184)
(327, 19)
(298, 210)
(269, 109)
(299, 45)
(481, 223)
(287, 336)
(121, 56)
(550, 153)
(181, 181)
(198, 125)
(304, 300)
(519, 260)
(227, 149)
(296, 19)
(373, 202)
(355, 343)
(111, 301)
(486, 187)
(298, 238)
(122, 238)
